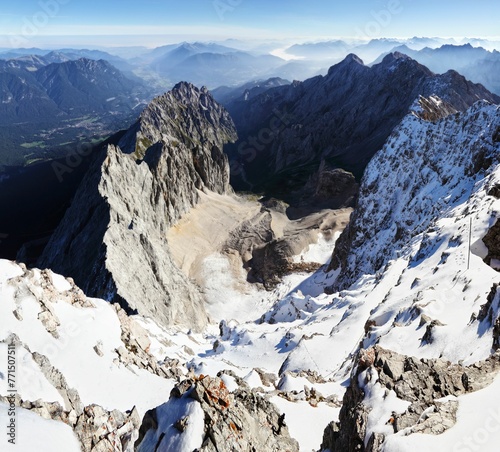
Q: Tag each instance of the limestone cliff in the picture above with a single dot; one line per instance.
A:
(112, 238)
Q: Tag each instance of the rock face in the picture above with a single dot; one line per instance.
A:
(239, 421)
(421, 382)
(407, 184)
(329, 188)
(432, 108)
(343, 117)
(112, 238)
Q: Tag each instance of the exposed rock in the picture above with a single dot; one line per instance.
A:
(432, 108)
(496, 135)
(132, 195)
(486, 312)
(375, 442)
(101, 430)
(327, 188)
(268, 241)
(495, 190)
(492, 242)
(98, 349)
(57, 379)
(335, 186)
(268, 379)
(274, 260)
(429, 329)
(496, 334)
(435, 420)
(490, 314)
(18, 314)
(97, 429)
(239, 421)
(49, 321)
(348, 434)
(422, 382)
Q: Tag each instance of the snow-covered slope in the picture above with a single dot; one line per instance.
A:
(413, 260)
(72, 353)
(425, 170)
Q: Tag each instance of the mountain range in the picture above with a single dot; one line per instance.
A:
(63, 55)
(47, 105)
(210, 64)
(475, 63)
(343, 118)
(390, 345)
(372, 49)
(64, 90)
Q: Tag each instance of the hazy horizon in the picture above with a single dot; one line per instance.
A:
(60, 23)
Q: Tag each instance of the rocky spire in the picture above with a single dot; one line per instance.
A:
(112, 238)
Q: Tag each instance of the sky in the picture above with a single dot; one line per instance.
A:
(28, 23)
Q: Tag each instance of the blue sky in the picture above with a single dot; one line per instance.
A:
(258, 19)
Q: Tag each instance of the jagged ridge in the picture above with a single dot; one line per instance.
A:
(344, 117)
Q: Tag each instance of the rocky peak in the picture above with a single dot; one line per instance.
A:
(350, 61)
(185, 114)
(131, 197)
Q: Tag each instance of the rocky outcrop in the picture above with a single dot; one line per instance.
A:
(489, 315)
(238, 421)
(269, 242)
(343, 118)
(348, 434)
(39, 305)
(432, 108)
(492, 242)
(410, 181)
(421, 382)
(112, 239)
(332, 188)
(97, 429)
(136, 350)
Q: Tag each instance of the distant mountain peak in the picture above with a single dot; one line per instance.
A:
(352, 58)
(349, 61)
(394, 56)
